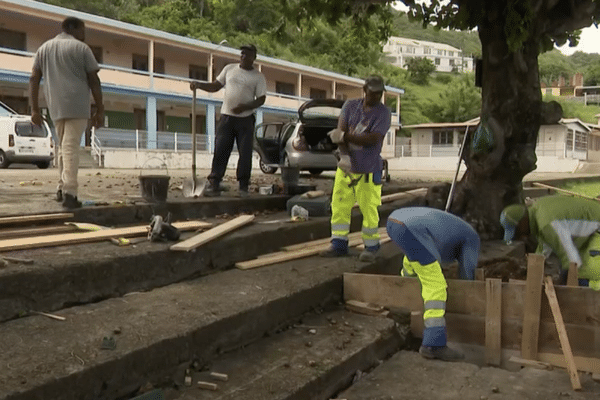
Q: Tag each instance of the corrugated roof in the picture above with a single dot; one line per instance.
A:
(36, 6)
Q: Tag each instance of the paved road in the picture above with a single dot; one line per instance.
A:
(27, 189)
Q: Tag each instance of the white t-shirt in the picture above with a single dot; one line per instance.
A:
(241, 86)
(65, 62)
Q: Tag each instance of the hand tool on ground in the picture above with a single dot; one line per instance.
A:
(193, 187)
(161, 229)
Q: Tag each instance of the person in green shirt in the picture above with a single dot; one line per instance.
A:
(567, 226)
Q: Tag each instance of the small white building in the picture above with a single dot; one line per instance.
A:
(445, 57)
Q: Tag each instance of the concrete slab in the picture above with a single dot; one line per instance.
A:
(158, 330)
(312, 360)
(407, 376)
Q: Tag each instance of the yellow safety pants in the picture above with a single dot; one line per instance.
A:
(433, 290)
(348, 190)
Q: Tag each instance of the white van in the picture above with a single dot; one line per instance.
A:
(23, 142)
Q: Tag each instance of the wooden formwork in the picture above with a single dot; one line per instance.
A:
(500, 315)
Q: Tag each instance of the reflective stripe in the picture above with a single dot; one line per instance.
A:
(371, 242)
(434, 322)
(340, 227)
(435, 305)
(369, 231)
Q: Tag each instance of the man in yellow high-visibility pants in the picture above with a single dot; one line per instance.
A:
(362, 125)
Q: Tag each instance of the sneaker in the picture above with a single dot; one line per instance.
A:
(333, 252)
(71, 202)
(59, 196)
(441, 353)
(367, 256)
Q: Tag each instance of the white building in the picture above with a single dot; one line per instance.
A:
(445, 57)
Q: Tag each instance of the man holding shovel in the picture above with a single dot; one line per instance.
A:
(362, 126)
(245, 91)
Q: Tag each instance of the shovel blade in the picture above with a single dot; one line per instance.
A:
(194, 187)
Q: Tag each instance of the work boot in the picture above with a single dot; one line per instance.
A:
(71, 202)
(59, 196)
(212, 190)
(333, 252)
(444, 353)
(244, 193)
(367, 256)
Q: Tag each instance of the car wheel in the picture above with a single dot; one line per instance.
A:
(4, 163)
(315, 171)
(265, 168)
(42, 164)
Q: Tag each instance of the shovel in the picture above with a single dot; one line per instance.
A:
(191, 187)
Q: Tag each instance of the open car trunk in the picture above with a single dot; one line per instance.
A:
(318, 117)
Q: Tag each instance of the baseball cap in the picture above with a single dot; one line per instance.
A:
(250, 47)
(375, 83)
(509, 219)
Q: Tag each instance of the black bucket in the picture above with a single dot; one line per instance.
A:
(290, 175)
(154, 187)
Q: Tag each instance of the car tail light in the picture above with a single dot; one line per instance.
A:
(11, 140)
(299, 144)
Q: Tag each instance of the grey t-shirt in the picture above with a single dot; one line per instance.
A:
(241, 86)
(64, 63)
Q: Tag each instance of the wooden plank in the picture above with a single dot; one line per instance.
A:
(530, 363)
(38, 231)
(282, 256)
(403, 195)
(480, 274)
(583, 364)
(573, 276)
(26, 219)
(532, 306)
(493, 322)
(212, 234)
(562, 334)
(87, 237)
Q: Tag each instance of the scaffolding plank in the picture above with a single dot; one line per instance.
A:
(562, 334)
(532, 306)
(493, 321)
(211, 234)
(21, 219)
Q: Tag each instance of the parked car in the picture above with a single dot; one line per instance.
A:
(23, 142)
(301, 143)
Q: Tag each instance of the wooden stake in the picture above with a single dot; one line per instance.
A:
(207, 385)
(219, 377)
(573, 276)
(532, 306)
(493, 320)
(562, 334)
(212, 234)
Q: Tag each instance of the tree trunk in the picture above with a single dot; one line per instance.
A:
(512, 106)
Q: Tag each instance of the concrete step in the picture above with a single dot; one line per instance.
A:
(85, 273)
(407, 376)
(86, 160)
(159, 330)
(312, 360)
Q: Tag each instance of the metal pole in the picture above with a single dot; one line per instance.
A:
(460, 153)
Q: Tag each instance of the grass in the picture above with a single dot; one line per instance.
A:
(590, 189)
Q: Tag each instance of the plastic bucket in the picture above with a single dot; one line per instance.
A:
(155, 187)
(290, 175)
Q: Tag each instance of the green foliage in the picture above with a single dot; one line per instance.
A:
(574, 109)
(459, 101)
(553, 65)
(419, 69)
(592, 75)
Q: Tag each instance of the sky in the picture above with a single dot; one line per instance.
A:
(589, 42)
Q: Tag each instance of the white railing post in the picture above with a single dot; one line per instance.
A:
(431, 151)
(137, 140)
(402, 150)
(175, 136)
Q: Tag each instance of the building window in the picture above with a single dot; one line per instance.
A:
(410, 49)
(451, 53)
(13, 39)
(451, 62)
(285, 88)
(437, 61)
(318, 93)
(427, 50)
(97, 51)
(139, 62)
(159, 65)
(581, 140)
(198, 73)
(443, 137)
